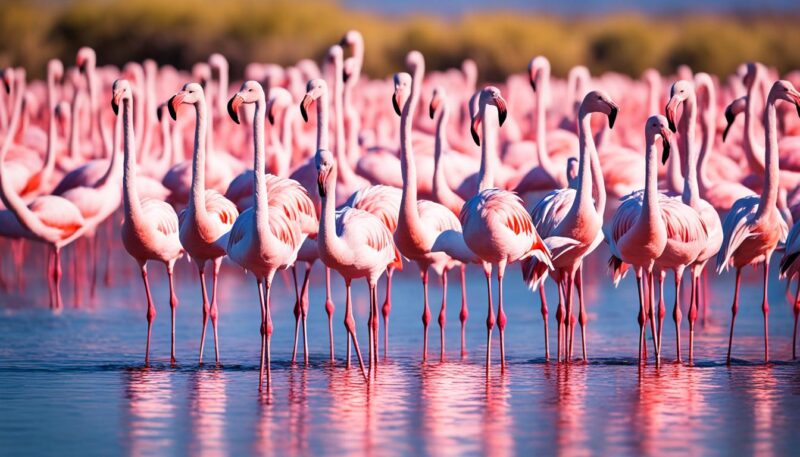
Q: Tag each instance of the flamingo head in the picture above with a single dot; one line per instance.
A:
(55, 69)
(192, 93)
(538, 68)
(62, 114)
(86, 58)
(351, 38)
(250, 92)
(279, 99)
(201, 72)
(120, 90)
(8, 79)
(315, 89)
(218, 61)
(489, 96)
(752, 71)
(680, 92)
(785, 90)
(402, 91)
(348, 68)
(326, 169)
(658, 125)
(598, 101)
(438, 100)
(734, 109)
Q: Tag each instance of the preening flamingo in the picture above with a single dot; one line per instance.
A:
(207, 221)
(753, 227)
(496, 226)
(150, 227)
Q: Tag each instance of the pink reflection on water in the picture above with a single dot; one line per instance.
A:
(207, 408)
(150, 406)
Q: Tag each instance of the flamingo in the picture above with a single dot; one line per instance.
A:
(207, 221)
(356, 244)
(496, 226)
(683, 92)
(49, 219)
(638, 231)
(754, 226)
(570, 223)
(421, 222)
(263, 240)
(150, 227)
(790, 267)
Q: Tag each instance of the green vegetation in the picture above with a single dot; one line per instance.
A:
(180, 32)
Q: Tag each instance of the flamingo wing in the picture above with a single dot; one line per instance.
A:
(736, 229)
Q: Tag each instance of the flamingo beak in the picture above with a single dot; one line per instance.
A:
(81, 63)
(160, 112)
(670, 112)
(502, 108)
(730, 116)
(271, 112)
(436, 102)
(396, 103)
(666, 137)
(322, 176)
(115, 103)
(795, 96)
(532, 77)
(7, 82)
(304, 105)
(203, 83)
(612, 115)
(233, 107)
(474, 130)
(173, 104)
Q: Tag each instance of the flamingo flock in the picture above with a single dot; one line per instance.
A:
(533, 171)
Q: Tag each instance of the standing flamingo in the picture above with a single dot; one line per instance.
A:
(754, 226)
(207, 221)
(496, 226)
(150, 227)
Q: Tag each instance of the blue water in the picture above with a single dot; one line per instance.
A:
(75, 382)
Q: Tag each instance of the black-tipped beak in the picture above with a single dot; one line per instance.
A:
(396, 104)
(171, 107)
(345, 76)
(160, 113)
(321, 175)
(435, 103)
(271, 114)
(612, 116)
(473, 129)
(729, 118)
(666, 137)
(502, 109)
(115, 106)
(233, 107)
(304, 104)
(7, 86)
(669, 110)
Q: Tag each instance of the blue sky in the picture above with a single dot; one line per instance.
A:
(455, 7)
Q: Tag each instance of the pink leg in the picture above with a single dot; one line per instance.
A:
(263, 330)
(582, 317)
(426, 313)
(151, 314)
(796, 310)
(329, 308)
(297, 313)
(267, 287)
(57, 274)
(464, 314)
(443, 313)
(662, 309)
(51, 275)
(304, 310)
(642, 314)
(568, 320)
(560, 313)
(350, 325)
(543, 299)
(489, 320)
(109, 235)
(214, 309)
(173, 304)
(652, 294)
(202, 271)
(693, 311)
(92, 243)
(734, 310)
(676, 316)
(373, 327)
(76, 272)
(386, 310)
(765, 310)
(501, 315)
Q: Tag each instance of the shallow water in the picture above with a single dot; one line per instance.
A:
(75, 382)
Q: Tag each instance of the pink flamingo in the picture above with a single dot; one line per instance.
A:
(790, 267)
(150, 227)
(49, 219)
(570, 223)
(207, 221)
(263, 240)
(753, 227)
(683, 92)
(638, 231)
(496, 226)
(356, 244)
(421, 222)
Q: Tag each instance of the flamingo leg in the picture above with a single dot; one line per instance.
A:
(51, 277)
(765, 309)
(76, 276)
(57, 275)
(642, 314)
(560, 312)
(543, 299)
(426, 312)
(489, 319)
(464, 314)
(374, 322)
(92, 242)
(202, 271)
(173, 304)
(329, 308)
(370, 334)
(676, 315)
(734, 310)
(796, 311)
(350, 325)
(443, 312)
(214, 309)
(386, 310)
(296, 313)
(109, 235)
(651, 293)
(662, 308)
(304, 310)
(693, 310)
(568, 323)
(263, 330)
(583, 318)
(151, 314)
(501, 314)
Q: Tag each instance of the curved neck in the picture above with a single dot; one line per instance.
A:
(753, 151)
(708, 132)
(197, 200)
(583, 200)
(331, 242)
(343, 165)
(543, 86)
(131, 204)
(599, 182)
(674, 177)
(408, 203)
(97, 113)
(113, 163)
(769, 196)
(322, 121)
(488, 147)
(50, 154)
(439, 183)
(687, 122)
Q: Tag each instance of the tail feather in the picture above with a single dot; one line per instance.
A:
(534, 272)
(617, 268)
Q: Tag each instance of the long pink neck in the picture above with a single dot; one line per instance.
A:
(287, 143)
(488, 147)
(330, 241)
(345, 172)
(441, 189)
(130, 198)
(753, 151)
(113, 170)
(74, 129)
(583, 200)
(261, 204)
(50, 154)
(691, 193)
(197, 202)
(708, 131)
(542, 92)
(97, 121)
(322, 121)
(651, 211)
(408, 166)
(769, 196)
